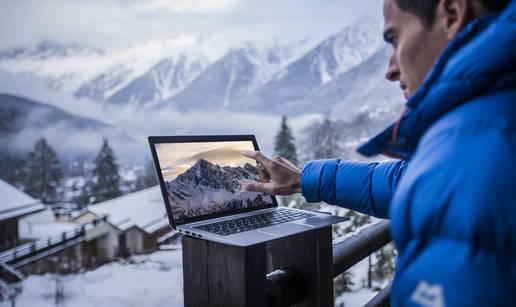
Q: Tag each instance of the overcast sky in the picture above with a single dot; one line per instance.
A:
(116, 24)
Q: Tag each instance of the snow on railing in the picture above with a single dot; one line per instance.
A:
(356, 246)
(169, 235)
(36, 246)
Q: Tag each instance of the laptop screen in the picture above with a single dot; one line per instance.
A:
(208, 178)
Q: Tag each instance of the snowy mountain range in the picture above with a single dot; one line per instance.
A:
(361, 87)
(322, 64)
(161, 82)
(188, 73)
(88, 72)
(209, 188)
(235, 76)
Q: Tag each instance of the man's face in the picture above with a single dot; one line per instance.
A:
(415, 48)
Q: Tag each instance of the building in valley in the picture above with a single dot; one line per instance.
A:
(14, 204)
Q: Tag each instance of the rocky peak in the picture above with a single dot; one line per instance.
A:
(205, 174)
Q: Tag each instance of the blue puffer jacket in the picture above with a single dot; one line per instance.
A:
(452, 199)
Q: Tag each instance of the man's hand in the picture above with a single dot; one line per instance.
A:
(279, 176)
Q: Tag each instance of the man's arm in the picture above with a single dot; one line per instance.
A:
(363, 187)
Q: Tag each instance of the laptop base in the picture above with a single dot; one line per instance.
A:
(317, 220)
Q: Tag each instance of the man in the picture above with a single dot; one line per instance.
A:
(452, 197)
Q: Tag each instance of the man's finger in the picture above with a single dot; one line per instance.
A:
(290, 164)
(258, 187)
(256, 155)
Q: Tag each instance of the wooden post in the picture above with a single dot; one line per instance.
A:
(216, 274)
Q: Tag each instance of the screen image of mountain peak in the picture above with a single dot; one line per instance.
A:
(207, 188)
(176, 158)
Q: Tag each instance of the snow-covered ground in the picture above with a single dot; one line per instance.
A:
(149, 280)
(360, 295)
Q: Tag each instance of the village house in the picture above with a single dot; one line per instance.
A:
(131, 224)
(14, 205)
(140, 217)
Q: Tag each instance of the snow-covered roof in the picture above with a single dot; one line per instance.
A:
(144, 209)
(43, 225)
(16, 203)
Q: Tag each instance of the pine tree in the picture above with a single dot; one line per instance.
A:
(384, 266)
(327, 143)
(105, 179)
(358, 220)
(147, 179)
(323, 140)
(285, 145)
(85, 197)
(42, 173)
(342, 283)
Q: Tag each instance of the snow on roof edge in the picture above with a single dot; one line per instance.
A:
(15, 202)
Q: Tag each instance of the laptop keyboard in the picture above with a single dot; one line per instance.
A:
(247, 223)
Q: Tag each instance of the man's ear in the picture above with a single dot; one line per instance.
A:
(451, 16)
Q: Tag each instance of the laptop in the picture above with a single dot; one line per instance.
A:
(202, 180)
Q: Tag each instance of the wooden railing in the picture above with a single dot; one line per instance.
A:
(346, 253)
(37, 246)
(303, 267)
(357, 246)
(21, 252)
(9, 274)
(382, 299)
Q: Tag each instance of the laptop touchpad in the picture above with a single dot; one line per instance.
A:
(285, 229)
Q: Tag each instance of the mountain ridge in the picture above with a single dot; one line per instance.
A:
(278, 79)
(24, 120)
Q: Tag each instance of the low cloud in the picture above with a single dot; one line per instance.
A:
(128, 126)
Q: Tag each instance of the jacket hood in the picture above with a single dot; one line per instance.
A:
(481, 60)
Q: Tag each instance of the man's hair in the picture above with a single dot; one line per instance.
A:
(425, 9)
